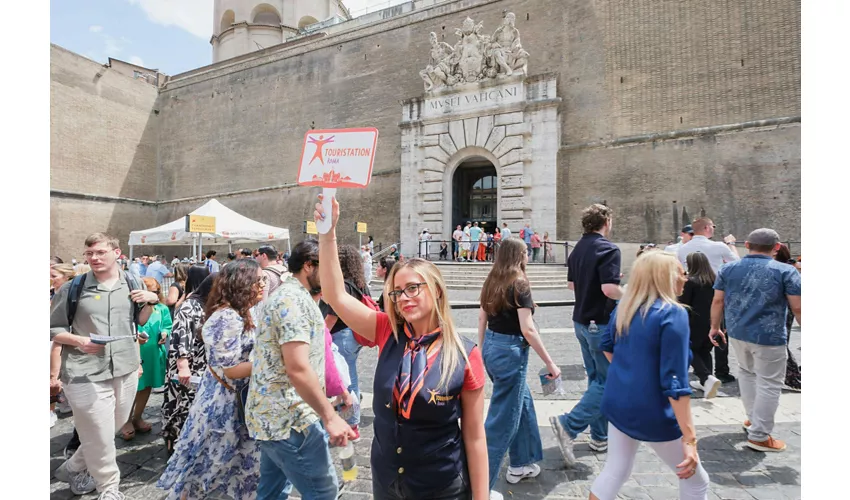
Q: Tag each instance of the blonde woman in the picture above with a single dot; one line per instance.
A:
(647, 397)
(426, 377)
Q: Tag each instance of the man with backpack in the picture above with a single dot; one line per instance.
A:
(100, 377)
(275, 273)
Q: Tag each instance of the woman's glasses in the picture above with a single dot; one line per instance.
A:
(410, 291)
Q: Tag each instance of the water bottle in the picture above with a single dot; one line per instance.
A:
(349, 465)
(593, 328)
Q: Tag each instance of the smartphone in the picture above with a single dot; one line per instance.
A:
(144, 335)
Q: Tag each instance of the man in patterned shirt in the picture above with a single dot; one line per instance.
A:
(287, 411)
(755, 293)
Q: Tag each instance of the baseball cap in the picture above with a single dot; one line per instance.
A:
(688, 229)
(268, 250)
(763, 236)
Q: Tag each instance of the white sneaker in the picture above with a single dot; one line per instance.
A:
(83, 483)
(565, 442)
(53, 419)
(495, 495)
(111, 494)
(712, 384)
(515, 474)
(598, 445)
(696, 385)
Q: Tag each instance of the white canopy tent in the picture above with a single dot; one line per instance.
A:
(231, 227)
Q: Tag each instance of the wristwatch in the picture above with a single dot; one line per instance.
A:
(692, 443)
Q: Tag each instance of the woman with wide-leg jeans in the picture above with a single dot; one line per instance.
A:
(506, 331)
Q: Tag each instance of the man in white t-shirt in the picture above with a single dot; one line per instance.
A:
(457, 236)
(717, 253)
(506, 233)
(686, 235)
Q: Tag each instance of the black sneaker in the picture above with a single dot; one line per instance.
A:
(726, 379)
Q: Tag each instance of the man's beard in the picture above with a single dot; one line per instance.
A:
(313, 281)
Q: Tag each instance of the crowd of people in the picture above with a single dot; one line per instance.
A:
(472, 243)
(257, 361)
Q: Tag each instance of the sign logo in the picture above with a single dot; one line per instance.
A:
(320, 143)
(345, 158)
(437, 399)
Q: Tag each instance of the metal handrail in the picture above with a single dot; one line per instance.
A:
(385, 251)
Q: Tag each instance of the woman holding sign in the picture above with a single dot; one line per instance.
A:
(426, 377)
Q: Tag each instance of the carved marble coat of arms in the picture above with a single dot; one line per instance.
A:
(475, 57)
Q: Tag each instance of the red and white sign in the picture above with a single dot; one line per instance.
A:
(338, 158)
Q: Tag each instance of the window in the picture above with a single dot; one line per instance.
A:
(265, 14)
(226, 20)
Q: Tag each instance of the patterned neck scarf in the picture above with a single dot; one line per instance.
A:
(418, 356)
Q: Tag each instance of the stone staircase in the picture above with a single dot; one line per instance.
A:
(471, 275)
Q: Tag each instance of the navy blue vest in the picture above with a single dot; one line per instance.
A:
(426, 452)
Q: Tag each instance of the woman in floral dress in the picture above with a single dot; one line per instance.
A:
(214, 455)
(187, 355)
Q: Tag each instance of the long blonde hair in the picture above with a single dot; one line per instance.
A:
(654, 276)
(452, 348)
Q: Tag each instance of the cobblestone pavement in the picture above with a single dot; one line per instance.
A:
(736, 472)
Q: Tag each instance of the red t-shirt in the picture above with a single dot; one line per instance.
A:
(473, 377)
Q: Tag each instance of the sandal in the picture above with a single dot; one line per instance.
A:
(142, 427)
(127, 435)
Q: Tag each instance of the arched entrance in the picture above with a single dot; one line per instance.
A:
(475, 185)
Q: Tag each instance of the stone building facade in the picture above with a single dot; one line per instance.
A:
(659, 108)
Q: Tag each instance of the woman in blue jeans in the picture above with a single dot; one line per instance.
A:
(356, 286)
(505, 332)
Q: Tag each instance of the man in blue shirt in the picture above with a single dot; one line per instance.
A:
(474, 236)
(158, 270)
(593, 272)
(527, 233)
(211, 263)
(754, 293)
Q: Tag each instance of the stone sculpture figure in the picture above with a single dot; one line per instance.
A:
(475, 57)
(439, 66)
(507, 48)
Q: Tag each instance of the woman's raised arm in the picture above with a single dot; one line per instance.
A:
(354, 313)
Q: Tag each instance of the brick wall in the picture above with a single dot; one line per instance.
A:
(102, 142)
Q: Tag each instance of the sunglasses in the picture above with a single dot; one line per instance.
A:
(410, 291)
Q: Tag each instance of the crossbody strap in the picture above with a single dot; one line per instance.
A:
(220, 381)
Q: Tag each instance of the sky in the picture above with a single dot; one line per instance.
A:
(172, 36)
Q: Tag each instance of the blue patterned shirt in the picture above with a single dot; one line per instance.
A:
(755, 303)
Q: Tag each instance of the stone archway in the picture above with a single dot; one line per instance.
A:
(469, 157)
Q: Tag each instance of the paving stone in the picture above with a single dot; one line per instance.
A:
(767, 493)
(664, 493)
